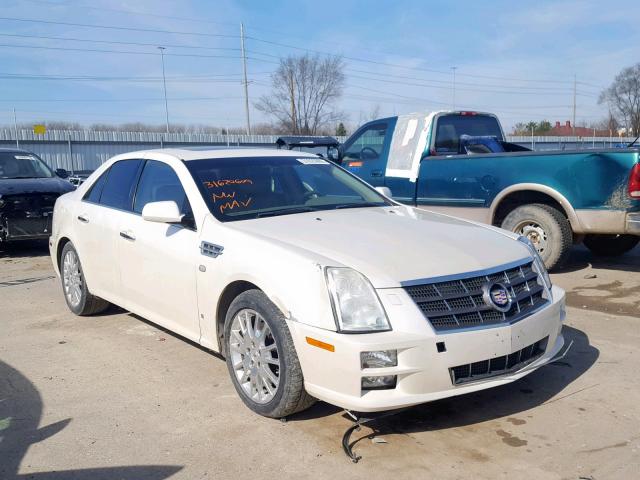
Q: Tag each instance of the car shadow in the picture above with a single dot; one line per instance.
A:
(537, 389)
(580, 258)
(20, 414)
(24, 249)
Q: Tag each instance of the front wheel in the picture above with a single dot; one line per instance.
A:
(546, 227)
(261, 357)
(610, 245)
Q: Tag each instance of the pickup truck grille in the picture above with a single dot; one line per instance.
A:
(459, 304)
(498, 365)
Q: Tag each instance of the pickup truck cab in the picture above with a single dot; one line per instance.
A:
(457, 162)
(311, 283)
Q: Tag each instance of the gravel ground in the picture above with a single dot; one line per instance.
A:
(115, 397)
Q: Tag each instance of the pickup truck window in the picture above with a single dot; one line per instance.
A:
(451, 127)
(254, 187)
(368, 144)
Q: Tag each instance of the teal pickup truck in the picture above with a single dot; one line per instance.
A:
(458, 163)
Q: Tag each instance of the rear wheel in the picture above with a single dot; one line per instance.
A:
(261, 357)
(610, 245)
(79, 300)
(546, 227)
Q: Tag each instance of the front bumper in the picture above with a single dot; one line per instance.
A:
(423, 373)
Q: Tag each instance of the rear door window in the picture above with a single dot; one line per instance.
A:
(120, 184)
(93, 195)
(451, 127)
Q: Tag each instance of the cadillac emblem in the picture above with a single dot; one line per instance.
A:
(497, 296)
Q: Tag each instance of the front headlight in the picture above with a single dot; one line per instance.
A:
(355, 303)
(538, 264)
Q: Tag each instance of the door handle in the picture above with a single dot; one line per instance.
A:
(127, 235)
(376, 173)
(83, 219)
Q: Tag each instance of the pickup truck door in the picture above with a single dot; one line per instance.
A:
(365, 153)
(157, 260)
(456, 181)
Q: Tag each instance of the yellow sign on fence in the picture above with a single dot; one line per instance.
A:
(39, 129)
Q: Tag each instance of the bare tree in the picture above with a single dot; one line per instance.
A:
(304, 90)
(623, 97)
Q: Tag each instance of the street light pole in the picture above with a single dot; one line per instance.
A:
(164, 83)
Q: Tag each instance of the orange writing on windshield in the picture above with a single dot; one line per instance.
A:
(223, 196)
(234, 204)
(228, 181)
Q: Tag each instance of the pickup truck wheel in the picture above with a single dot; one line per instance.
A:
(546, 227)
(76, 293)
(261, 357)
(610, 245)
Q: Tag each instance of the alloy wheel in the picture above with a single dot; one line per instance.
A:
(254, 356)
(72, 278)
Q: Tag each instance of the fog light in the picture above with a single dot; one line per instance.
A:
(379, 383)
(379, 359)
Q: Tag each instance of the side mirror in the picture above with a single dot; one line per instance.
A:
(333, 153)
(386, 191)
(162, 212)
(62, 173)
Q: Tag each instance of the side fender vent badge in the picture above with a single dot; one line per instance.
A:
(211, 249)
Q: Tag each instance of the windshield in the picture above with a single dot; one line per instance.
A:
(255, 187)
(451, 127)
(22, 165)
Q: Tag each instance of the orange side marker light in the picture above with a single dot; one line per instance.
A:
(319, 344)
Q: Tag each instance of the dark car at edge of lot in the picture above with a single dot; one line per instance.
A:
(28, 192)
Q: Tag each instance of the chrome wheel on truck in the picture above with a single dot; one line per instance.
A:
(261, 357)
(254, 356)
(546, 227)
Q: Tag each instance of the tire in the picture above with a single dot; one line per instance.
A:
(74, 287)
(246, 363)
(546, 227)
(610, 245)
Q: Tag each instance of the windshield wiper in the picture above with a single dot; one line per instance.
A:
(285, 211)
(22, 177)
(360, 205)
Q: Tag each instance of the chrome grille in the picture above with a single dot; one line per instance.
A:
(498, 365)
(456, 304)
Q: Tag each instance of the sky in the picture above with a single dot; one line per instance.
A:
(97, 61)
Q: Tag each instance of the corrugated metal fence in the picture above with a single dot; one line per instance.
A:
(86, 150)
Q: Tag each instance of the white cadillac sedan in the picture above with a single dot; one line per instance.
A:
(312, 284)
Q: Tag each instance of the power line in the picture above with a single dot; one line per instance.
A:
(115, 42)
(114, 27)
(129, 52)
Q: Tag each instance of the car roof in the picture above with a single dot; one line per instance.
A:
(201, 153)
(14, 150)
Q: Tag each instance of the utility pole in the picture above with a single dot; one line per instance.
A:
(15, 125)
(453, 69)
(164, 83)
(574, 106)
(246, 83)
(294, 123)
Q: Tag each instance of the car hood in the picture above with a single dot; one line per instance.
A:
(391, 245)
(18, 186)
